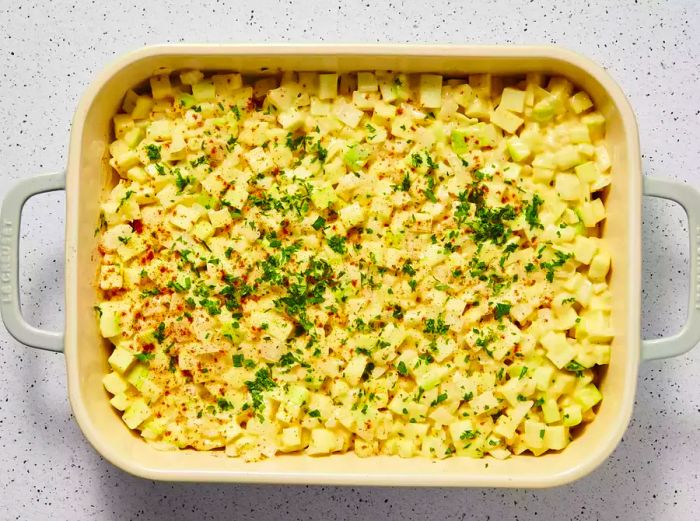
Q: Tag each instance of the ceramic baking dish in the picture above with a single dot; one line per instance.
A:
(86, 352)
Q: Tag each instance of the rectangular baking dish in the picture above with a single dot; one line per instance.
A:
(86, 352)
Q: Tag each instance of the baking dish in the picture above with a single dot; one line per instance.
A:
(86, 353)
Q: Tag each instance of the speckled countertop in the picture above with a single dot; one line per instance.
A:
(48, 54)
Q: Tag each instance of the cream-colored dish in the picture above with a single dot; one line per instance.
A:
(86, 179)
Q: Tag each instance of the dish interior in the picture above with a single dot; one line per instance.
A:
(86, 352)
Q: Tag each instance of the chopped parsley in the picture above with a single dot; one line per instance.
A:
(484, 341)
(489, 224)
(559, 260)
(402, 369)
(295, 142)
(501, 310)
(144, 357)
(574, 366)
(532, 212)
(180, 288)
(124, 199)
(319, 223)
(224, 404)
(405, 183)
(182, 182)
(199, 161)
(288, 359)
(436, 326)
(263, 382)
(153, 152)
(212, 307)
(440, 398)
(150, 292)
(408, 269)
(304, 289)
(461, 213)
(159, 333)
(432, 165)
(429, 192)
(337, 244)
(321, 153)
(416, 160)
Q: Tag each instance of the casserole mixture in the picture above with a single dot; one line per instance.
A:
(378, 262)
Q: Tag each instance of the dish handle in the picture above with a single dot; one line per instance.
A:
(10, 216)
(688, 337)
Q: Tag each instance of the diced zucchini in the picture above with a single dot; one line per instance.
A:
(137, 375)
(328, 86)
(120, 401)
(505, 119)
(142, 107)
(513, 100)
(587, 396)
(571, 415)
(559, 351)
(323, 441)
(114, 383)
(518, 149)
(136, 413)
(556, 437)
(431, 90)
(568, 187)
(354, 369)
(204, 91)
(109, 320)
(464, 313)
(160, 86)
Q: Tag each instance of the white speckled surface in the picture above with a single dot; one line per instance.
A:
(49, 53)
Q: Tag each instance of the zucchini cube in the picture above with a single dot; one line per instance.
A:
(114, 383)
(580, 102)
(327, 86)
(136, 413)
(430, 90)
(160, 86)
